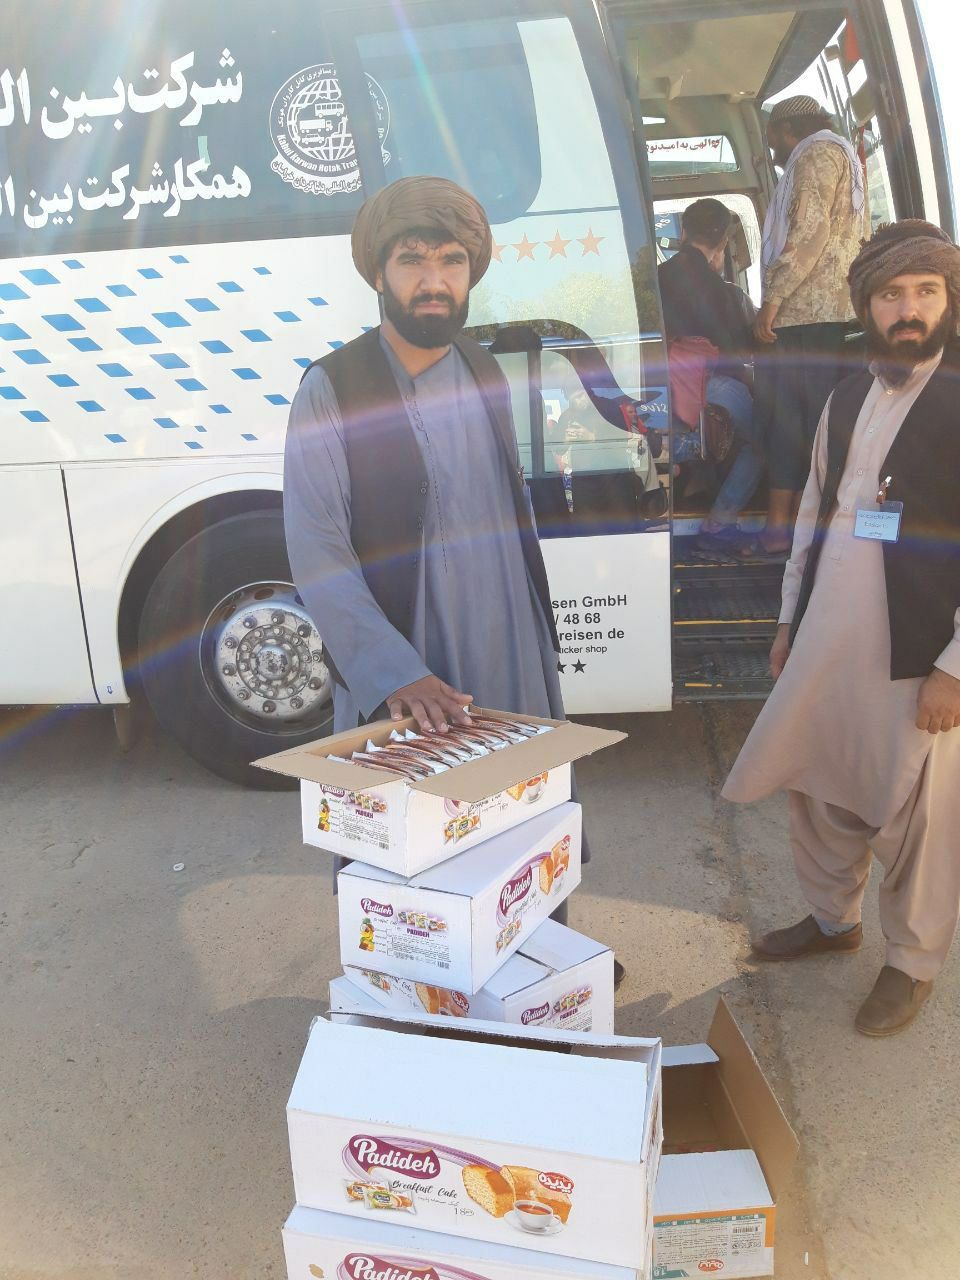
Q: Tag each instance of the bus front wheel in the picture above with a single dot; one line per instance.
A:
(232, 666)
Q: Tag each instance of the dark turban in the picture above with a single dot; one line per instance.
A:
(433, 205)
(911, 247)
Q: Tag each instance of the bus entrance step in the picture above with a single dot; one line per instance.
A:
(725, 603)
(734, 667)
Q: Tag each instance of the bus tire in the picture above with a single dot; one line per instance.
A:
(230, 662)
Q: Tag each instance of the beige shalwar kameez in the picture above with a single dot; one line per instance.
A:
(840, 736)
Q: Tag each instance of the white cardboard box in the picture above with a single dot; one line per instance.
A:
(564, 1138)
(556, 978)
(406, 827)
(457, 923)
(728, 1151)
(336, 1247)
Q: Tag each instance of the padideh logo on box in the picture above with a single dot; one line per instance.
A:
(363, 1266)
(371, 908)
(534, 1015)
(710, 1264)
(515, 890)
(556, 1182)
(461, 1001)
(377, 1153)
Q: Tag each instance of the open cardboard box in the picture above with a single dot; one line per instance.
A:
(458, 923)
(556, 978)
(336, 1247)
(728, 1151)
(553, 1150)
(405, 827)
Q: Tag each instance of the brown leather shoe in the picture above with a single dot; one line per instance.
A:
(894, 1002)
(805, 939)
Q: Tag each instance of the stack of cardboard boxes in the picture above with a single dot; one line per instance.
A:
(432, 1141)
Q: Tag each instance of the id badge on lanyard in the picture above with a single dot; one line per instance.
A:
(882, 522)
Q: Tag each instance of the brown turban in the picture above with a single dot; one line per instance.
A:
(910, 247)
(420, 204)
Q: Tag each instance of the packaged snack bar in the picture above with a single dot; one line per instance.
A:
(378, 1195)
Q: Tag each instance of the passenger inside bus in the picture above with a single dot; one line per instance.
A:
(699, 305)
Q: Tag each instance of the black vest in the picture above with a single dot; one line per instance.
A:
(922, 570)
(388, 481)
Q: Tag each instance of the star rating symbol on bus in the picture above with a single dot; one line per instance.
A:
(525, 248)
(590, 242)
(579, 666)
(561, 667)
(496, 250)
(557, 246)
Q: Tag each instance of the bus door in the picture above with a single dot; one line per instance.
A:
(700, 79)
(515, 102)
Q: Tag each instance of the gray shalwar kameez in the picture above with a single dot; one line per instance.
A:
(478, 623)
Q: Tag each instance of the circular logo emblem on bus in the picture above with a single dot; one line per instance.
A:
(311, 132)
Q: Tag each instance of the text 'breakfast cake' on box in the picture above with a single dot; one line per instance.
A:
(406, 823)
(457, 923)
(556, 978)
(549, 1142)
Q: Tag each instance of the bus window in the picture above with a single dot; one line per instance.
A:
(183, 129)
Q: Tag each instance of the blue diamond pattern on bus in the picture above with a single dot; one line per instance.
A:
(30, 355)
(12, 332)
(191, 384)
(73, 264)
(247, 435)
(171, 319)
(277, 399)
(85, 344)
(11, 292)
(91, 406)
(230, 286)
(121, 290)
(203, 304)
(63, 323)
(178, 257)
(216, 347)
(263, 271)
(62, 380)
(11, 393)
(336, 343)
(140, 393)
(318, 302)
(168, 424)
(248, 375)
(288, 317)
(40, 275)
(255, 335)
(193, 444)
(168, 360)
(34, 415)
(92, 304)
(150, 273)
(138, 335)
(219, 408)
(202, 430)
(114, 438)
(303, 361)
(115, 370)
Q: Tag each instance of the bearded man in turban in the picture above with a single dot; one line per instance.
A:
(408, 522)
(860, 727)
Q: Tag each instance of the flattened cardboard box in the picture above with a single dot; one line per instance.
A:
(455, 925)
(546, 1142)
(406, 827)
(727, 1154)
(333, 1247)
(556, 978)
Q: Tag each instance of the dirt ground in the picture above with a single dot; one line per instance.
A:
(153, 1019)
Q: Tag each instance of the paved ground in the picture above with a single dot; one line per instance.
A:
(153, 1019)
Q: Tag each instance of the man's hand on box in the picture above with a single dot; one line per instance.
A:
(432, 703)
(938, 702)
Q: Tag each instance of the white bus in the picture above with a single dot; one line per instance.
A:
(177, 186)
